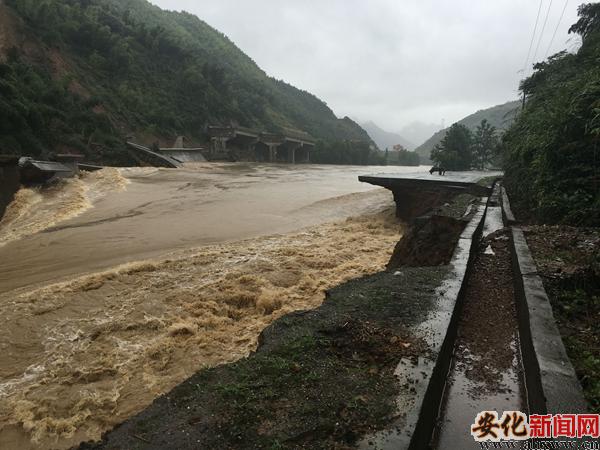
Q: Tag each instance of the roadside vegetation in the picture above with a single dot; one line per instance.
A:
(553, 143)
(499, 116)
(552, 164)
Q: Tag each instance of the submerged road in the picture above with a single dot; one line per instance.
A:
(156, 211)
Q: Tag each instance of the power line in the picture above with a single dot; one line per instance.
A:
(537, 19)
(543, 28)
(556, 29)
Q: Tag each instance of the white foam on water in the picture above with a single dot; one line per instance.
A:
(107, 344)
(37, 209)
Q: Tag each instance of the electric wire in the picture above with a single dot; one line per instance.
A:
(537, 19)
(542, 32)
(556, 29)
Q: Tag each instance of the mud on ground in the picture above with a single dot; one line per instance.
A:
(488, 325)
(568, 260)
(431, 240)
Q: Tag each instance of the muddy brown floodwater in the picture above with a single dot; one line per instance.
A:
(119, 285)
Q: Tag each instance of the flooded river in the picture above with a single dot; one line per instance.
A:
(119, 285)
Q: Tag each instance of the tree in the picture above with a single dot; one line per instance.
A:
(551, 157)
(589, 20)
(347, 152)
(402, 157)
(485, 143)
(454, 152)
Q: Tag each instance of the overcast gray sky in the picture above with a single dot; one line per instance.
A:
(392, 61)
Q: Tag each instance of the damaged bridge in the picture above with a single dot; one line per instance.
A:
(246, 144)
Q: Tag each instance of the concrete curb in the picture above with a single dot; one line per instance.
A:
(447, 321)
(507, 214)
(551, 382)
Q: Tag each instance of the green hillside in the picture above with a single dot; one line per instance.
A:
(553, 144)
(80, 75)
(500, 116)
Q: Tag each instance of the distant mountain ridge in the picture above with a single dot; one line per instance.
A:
(385, 139)
(499, 116)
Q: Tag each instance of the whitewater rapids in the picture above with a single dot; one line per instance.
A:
(118, 285)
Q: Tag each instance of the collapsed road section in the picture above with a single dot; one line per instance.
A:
(416, 194)
(507, 354)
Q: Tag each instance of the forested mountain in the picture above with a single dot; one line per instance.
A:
(553, 143)
(500, 117)
(80, 75)
(385, 139)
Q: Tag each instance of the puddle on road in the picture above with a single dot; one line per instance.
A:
(468, 393)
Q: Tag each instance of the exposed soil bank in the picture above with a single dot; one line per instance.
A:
(568, 261)
(430, 240)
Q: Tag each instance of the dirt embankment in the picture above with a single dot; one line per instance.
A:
(430, 240)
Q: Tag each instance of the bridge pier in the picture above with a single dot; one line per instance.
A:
(292, 152)
(242, 147)
(303, 154)
(273, 152)
(218, 146)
